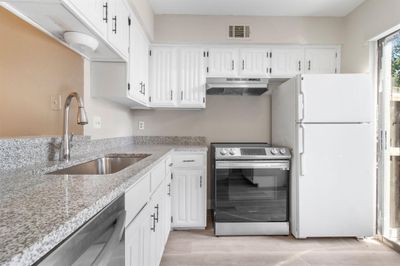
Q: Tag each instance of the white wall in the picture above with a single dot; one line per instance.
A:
(369, 20)
(226, 118)
(214, 29)
(116, 119)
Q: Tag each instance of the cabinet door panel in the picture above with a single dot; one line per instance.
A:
(222, 62)
(321, 60)
(287, 61)
(192, 77)
(137, 240)
(163, 76)
(118, 27)
(253, 62)
(188, 198)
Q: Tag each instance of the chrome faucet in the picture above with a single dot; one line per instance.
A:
(81, 120)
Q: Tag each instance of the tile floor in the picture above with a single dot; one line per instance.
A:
(201, 247)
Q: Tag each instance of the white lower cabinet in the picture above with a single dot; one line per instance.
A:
(149, 211)
(189, 191)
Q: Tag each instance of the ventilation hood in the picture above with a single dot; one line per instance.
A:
(237, 86)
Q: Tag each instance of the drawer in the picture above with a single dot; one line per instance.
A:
(188, 160)
(157, 175)
(136, 197)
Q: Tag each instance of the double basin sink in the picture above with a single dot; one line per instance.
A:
(109, 164)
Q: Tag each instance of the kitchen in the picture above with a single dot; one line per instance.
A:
(145, 89)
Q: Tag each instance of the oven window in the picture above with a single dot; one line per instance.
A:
(251, 195)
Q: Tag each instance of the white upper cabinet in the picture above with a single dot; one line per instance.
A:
(254, 62)
(96, 12)
(138, 64)
(163, 76)
(321, 60)
(118, 25)
(287, 61)
(223, 62)
(192, 77)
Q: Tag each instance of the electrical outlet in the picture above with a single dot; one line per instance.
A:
(55, 102)
(96, 122)
(141, 125)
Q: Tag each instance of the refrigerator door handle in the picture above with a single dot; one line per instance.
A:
(301, 149)
(301, 106)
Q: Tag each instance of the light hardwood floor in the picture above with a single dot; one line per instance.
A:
(201, 247)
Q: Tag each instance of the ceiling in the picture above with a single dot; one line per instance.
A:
(335, 8)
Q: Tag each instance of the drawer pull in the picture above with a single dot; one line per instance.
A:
(188, 161)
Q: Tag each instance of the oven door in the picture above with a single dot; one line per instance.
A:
(251, 191)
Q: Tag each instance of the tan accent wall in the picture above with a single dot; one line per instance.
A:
(33, 67)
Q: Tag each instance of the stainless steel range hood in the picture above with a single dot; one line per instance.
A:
(237, 86)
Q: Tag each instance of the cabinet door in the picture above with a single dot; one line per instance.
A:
(118, 25)
(137, 240)
(163, 76)
(138, 63)
(287, 61)
(157, 218)
(188, 208)
(222, 62)
(321, 60)
(254, 62)
(99, 17)
(192, 77)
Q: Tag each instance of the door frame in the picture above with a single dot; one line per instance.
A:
(383, 143)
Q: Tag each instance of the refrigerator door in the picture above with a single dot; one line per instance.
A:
(335, 98)
(335, 169)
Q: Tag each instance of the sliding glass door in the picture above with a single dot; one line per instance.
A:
(389, 145)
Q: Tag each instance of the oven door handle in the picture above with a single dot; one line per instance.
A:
(282, 165)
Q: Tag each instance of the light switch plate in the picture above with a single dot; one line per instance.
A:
(96, 122)
(55, 102)
(141, 125)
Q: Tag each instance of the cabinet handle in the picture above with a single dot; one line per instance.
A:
(181, 95)
(188, 161)
(144, 88)
(243, 64)
(233, 65)
(171, 164)
(201, 181)
(169, 189)
(299, 65)
(157, 208)
(105, 12)
(115, 24)
(171, 95)
(153, 228)
(141, 87)
(309, 64)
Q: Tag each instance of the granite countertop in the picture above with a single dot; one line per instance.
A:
(39, 211)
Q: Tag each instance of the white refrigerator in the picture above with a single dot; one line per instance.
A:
(327, 121)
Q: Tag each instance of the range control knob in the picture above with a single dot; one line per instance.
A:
(274, 151)
(223, 152)
(231, 152)
(282, 151)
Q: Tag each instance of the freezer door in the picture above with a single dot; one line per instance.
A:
(335, 98)
(335, 180)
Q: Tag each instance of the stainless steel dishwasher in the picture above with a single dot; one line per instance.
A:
(98, 242)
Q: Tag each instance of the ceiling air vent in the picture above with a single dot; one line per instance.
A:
(239, 32)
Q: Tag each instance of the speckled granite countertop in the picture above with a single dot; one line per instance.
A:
(39, 211)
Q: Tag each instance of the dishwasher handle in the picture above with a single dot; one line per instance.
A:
(104, 257)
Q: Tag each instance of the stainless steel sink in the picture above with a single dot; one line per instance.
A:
(108, 164)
